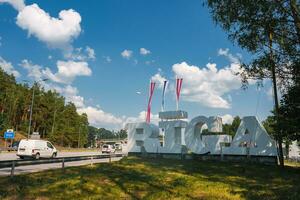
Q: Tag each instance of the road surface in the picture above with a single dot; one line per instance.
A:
(13, 156)
(41, 167)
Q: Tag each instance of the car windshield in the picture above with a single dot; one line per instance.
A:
(105, 146)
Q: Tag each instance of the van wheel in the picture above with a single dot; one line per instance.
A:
(21, 157)
(37, 156)
(53, 155)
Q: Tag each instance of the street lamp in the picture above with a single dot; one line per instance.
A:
(32, 101)
(78, 145)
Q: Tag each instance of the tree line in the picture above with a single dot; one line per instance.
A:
(52, 117)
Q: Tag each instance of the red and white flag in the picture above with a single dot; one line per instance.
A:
(151, 91)
(178, 89)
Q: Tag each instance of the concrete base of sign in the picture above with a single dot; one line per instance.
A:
(269, 160)
(171, 115)
(212, 142)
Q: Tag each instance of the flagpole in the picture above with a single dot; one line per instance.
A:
(176, 88)
(147, 100)
(162, 102)
(163, 95)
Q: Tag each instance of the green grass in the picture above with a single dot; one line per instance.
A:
(291, 163)
(137, 178)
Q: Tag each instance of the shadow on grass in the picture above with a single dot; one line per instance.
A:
(140, 178)
(256, 181)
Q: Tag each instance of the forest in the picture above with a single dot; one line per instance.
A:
(53, 117)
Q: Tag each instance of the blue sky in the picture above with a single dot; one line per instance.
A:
(92, 55)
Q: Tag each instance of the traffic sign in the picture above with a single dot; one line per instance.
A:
(9, 134)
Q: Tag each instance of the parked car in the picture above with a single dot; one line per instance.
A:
(108, 148)
(118, 147)
(36, 149)
(14, 146)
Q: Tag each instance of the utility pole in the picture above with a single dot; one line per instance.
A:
(79, 136)
(54, 117)
(30, 118)
(32, 102)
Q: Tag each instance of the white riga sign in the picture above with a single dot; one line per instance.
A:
(180, 135)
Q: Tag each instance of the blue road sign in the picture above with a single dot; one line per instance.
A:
(9, 134)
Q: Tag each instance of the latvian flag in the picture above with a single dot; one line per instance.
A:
(152, 86)
(178, 89)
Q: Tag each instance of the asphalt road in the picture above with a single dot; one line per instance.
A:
(13, 156)
(42, 167)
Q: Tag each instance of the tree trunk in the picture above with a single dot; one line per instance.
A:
(296, 17)
(279, 134)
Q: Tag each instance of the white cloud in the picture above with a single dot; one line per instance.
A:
(34, 71)
(148, 62)
(71, 95)
(126, 54)
(90, 53)
(144, 51)
(158, 79)
(68, 71)
(99, 118)
(107, 59)
(231, 58)
(17, 4)
(78, 54)
(208, 85)
(227, 119)
(56, 32)
(96, 116)
(37, 73)
(8, 67)
(141, 118)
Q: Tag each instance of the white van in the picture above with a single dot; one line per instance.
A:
(36, 149)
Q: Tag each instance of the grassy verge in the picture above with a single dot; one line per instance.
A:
(137, 178)
(291, 163)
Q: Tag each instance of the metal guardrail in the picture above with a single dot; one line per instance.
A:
(8, 149)
(62, 160)
(15, 163)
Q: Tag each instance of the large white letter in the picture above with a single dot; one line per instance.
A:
(251, 135)
(173, 129)
(142, 137)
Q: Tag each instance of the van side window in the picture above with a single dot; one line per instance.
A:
(49, 145)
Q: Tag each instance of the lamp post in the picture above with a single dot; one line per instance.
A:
(78, 145)
(32, 102)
